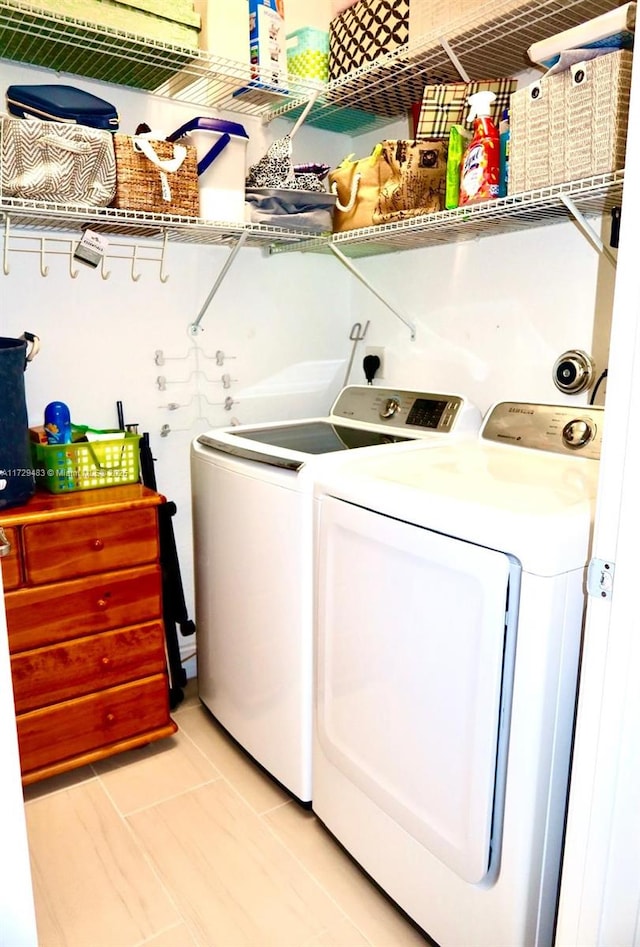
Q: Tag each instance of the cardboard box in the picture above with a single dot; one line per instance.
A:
(225, 28)
(268, 42)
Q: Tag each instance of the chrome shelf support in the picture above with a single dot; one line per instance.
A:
(360, 276)
(194, 328)
(588, 230)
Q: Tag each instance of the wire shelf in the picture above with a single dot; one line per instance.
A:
(490, 42)
(44, 216)
(591, 196)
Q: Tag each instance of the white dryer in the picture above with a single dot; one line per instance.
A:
(450, 598)
(252, 489)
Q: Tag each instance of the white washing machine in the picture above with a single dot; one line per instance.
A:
(450, 599)
(252, 489)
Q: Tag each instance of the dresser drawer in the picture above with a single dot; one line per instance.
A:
(10, 563)
(48, 675)
(65, 610)
(86, 544)
(78, 726)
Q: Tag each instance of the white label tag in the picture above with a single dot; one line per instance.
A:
(91, 249)
(166, 190)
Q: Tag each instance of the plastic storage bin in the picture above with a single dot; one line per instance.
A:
(61, 468)
(308, 54)
(221, 148)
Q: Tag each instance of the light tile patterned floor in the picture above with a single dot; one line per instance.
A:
(186, 843)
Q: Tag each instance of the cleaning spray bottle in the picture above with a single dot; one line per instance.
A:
(480, 175)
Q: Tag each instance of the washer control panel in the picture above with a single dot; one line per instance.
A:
(414, 411)
(563, 429)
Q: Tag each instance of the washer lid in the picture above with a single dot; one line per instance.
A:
(534, 505)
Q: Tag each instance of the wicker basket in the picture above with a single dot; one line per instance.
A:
(572, 125)
(142, 186)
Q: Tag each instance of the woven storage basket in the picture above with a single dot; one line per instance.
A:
(140, 185)
(308, 54)
(572, 125)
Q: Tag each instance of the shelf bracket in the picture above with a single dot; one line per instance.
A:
(587, 229)
(454, 59)
(352, 269)
(194, 328)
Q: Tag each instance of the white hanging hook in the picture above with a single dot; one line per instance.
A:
(163, 275)
(105, 274)
(5, 255)
(134, 276)
(44, 270)
(72, 273)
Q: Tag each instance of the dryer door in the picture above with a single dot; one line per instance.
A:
(414, 673)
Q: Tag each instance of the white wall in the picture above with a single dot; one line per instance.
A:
(492, 316)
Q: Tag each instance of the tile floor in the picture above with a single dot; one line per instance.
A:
(186, 843)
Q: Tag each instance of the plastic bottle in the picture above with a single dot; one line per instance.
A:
(57, 423)
(505, 135)
(480, 175)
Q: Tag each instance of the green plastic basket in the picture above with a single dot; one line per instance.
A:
(61, 468)
(308, 54)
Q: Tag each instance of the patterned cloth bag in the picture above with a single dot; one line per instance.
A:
(276, 169)
(58, 162)
(399, 179)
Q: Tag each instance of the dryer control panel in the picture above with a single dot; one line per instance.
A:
(562, 429)
(399, 408)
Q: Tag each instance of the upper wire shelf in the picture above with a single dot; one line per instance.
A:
(591, 197)
(489, 42)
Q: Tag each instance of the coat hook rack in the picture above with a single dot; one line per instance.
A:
(48, 247)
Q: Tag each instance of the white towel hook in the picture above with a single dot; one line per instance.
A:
(5, 255)
(44, 270)
(72, 273)
(163, 275)
(134, 276)
(105, 274)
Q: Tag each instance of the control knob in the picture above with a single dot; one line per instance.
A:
(390, 407)
(577, 433)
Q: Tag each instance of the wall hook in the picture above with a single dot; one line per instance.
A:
(72, 273)
(5, 255)
(134, 276)
(163, 276)
(105, 274)
(44, 270)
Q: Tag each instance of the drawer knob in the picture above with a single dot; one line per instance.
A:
(97, 544)
(102, 604)
(105, 661)
(5, 545)
(110, 717)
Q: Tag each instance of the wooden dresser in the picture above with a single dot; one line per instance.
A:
(84, 611)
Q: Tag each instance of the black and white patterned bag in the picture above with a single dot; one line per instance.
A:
(57, 162)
